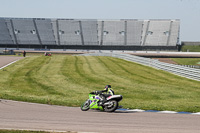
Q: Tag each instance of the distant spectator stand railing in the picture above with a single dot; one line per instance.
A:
(183, 71)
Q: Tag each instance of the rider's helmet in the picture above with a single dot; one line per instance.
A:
(107, 86)
(110, 91)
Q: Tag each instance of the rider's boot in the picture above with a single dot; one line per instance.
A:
(102, 101)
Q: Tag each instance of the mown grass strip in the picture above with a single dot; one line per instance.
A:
(67, 80)
(187, 61)
(190, 48)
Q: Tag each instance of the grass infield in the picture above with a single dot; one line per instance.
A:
(187, 61)
(67, 80)
(190, 48)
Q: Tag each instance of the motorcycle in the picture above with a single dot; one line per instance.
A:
(95, 102)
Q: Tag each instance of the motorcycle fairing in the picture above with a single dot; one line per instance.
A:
(119, 97)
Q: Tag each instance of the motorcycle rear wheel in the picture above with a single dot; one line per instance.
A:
(112, 107)
(86, 105)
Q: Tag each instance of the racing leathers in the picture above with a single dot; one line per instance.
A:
(105, 93)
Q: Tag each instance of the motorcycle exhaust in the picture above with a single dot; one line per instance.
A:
(107, 103)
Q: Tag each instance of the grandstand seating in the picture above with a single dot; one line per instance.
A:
(45, 31)
(134, 32)
(54, 28)
(87, 32)
(11, 31)
(174, 34)
(5, 37)
(89, 29)
(69, 32)
(25, 31)
(112, 33)
(157, 33)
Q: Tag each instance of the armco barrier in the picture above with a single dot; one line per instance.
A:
(183, 71)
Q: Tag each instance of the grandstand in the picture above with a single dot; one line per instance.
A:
(124, 34)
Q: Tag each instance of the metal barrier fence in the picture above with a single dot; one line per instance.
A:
(192, 66)
(183, 71)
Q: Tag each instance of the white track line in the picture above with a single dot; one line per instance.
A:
(155, 111)
(168, 112)
(8, 64)
(198, 113)
(136, 110)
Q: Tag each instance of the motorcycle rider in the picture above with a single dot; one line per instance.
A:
(108, 92)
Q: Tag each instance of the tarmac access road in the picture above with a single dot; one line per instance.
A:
(4, 60)
(31, 116)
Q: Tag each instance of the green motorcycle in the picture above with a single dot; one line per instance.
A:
(95, 102)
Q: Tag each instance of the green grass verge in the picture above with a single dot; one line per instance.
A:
(67, 80)
(190, 48)
(187, 61)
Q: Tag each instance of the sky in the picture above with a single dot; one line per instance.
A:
(188, 11)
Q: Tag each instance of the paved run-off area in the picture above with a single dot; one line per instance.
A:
(5, 60)
(22, 115)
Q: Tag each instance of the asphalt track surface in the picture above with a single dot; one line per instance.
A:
(4, 60)
(30, 116)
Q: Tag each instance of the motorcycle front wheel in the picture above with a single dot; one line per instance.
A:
(86, 105)
(112, 106)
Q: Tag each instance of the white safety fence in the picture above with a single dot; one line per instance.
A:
(183, 71)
